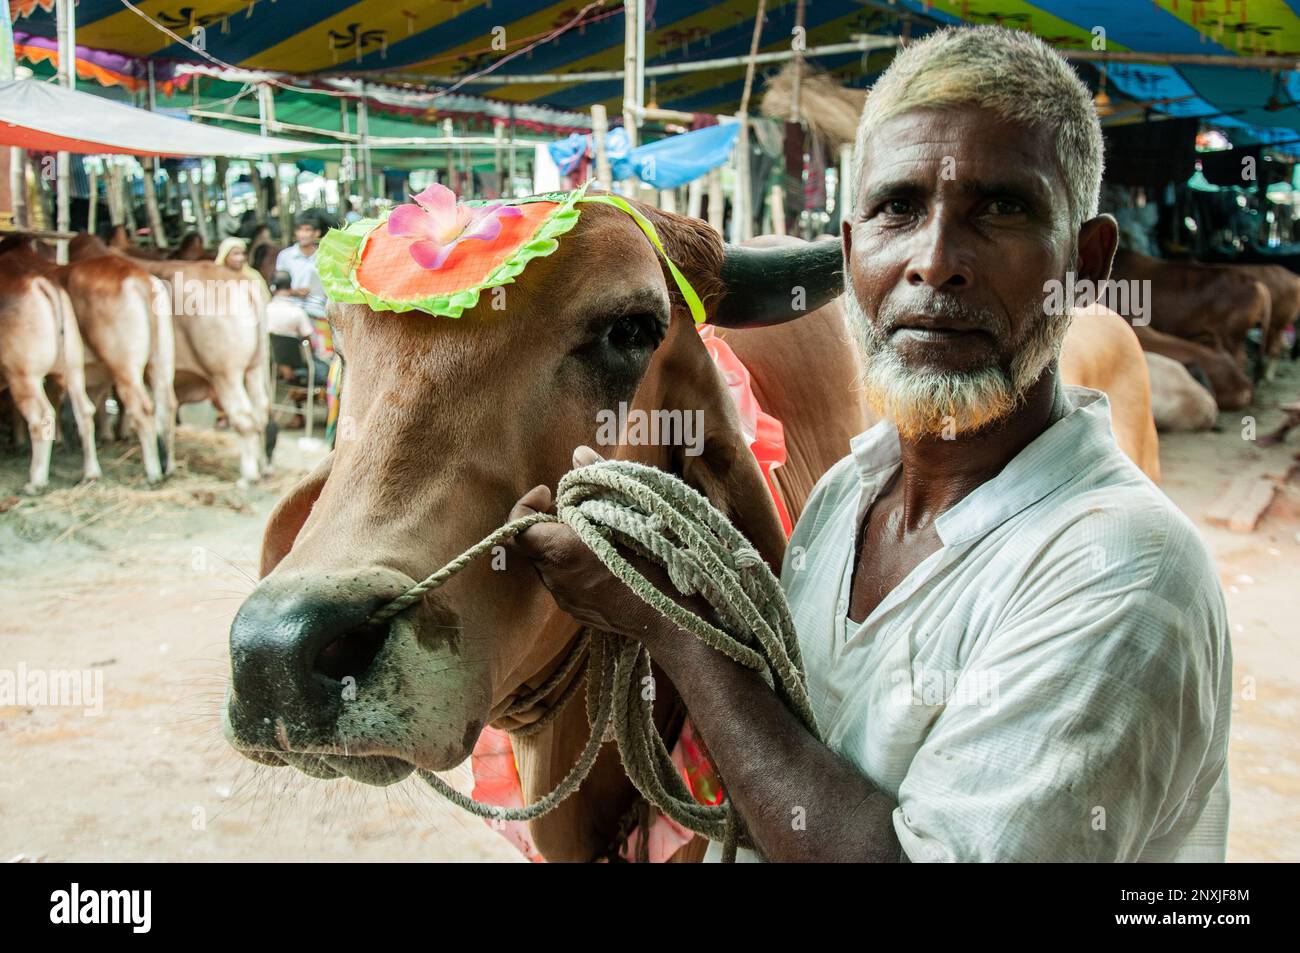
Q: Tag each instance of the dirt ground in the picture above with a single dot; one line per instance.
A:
(140, 585)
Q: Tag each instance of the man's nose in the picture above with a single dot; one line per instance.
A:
(939, 257)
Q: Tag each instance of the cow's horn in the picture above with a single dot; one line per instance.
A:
(762, 283)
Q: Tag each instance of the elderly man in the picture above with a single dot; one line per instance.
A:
(1016, 646)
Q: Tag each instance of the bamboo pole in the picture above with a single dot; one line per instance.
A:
(634, 24)
(600, 129)
(743, 218)
(92, 210)
(17, 156)
(695, 196)
(156, 231)
(66, 29)
(363, 151)
(717, 202)
(776, 208)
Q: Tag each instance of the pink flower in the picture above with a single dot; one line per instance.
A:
(441, 224)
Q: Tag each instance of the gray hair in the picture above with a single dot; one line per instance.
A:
(1014, 75)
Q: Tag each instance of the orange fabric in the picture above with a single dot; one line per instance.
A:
(388, 271)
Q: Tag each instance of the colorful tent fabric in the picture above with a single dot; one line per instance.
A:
(49, 118)
(464, 38)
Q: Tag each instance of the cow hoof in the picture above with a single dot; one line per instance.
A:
(91, 478)
(31, 489)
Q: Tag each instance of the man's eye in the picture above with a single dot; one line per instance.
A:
(1006, 207)
(896, 207)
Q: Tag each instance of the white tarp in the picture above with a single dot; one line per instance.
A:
(49, 118)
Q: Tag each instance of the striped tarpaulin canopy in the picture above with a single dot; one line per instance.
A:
(453, 40)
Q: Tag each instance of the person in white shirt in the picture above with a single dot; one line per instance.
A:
(299, 260)
(1016, 646)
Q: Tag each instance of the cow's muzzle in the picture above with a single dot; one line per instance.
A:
(316, 685)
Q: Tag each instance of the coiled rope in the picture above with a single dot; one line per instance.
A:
(659, 517)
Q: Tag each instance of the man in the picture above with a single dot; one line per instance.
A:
(299, 260)
(1016, 646)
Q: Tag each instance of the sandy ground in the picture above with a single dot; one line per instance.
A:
(141, 585)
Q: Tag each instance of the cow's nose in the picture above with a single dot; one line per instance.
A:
(291, 650)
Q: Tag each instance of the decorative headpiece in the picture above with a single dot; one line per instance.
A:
(438, 255)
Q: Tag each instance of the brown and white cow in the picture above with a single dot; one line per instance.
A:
(1178, 401)
(129, 345)
(39, 342)
(447, 424)
(221, 346)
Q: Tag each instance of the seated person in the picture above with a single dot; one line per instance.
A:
(285, 315)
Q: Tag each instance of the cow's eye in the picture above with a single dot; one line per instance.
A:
(634, 332)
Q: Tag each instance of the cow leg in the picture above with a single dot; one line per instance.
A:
(29, 398)
(164, 402)
(239, 411)
(83, 412)
(259, 398)
(161, 372)
(139, 410)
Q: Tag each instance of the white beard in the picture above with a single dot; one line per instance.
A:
(923, 403)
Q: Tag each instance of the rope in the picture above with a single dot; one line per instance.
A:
(657, 516)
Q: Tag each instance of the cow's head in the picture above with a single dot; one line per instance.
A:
(444, 424)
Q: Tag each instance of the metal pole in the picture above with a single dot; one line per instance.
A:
(66, 29)
(347, 168)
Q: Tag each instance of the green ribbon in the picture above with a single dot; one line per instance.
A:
(692, 299)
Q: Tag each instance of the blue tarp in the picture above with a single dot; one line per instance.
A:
(665, 164)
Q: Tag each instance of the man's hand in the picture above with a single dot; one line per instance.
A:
(581, 584)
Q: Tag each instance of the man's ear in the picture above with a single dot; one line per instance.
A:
(1098, 239)
(289, 515)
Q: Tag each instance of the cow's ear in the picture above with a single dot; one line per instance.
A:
(289, 515)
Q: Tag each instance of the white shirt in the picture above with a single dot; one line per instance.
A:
(303, 274)
(1053, 684)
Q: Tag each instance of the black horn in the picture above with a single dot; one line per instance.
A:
(761, 282)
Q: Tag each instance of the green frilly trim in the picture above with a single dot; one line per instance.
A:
(341, 249)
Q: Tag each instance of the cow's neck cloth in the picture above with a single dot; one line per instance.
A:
(659, 517)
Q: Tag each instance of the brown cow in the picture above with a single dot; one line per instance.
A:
(39, 341)
(1231, 387)
(128, 332)
(1284, 293)
(1213, 305)
(219, 322)
(119, 239)
(453, 421)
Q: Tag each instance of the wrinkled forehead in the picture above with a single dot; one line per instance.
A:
(929, 146)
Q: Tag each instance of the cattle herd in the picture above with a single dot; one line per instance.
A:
(156, 333)
(1213, 331)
